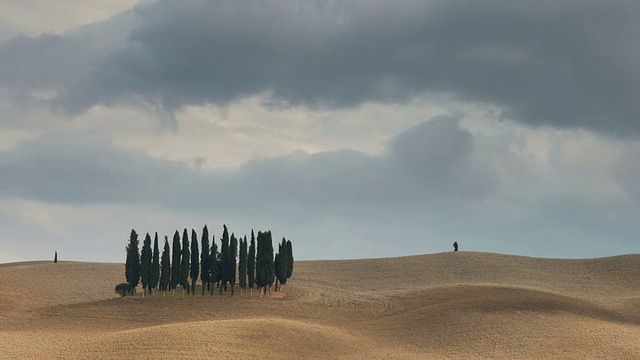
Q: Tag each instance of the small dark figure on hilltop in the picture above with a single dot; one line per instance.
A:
(55, 258)
(455, 246)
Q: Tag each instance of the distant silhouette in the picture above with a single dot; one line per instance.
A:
(55, 258)
(455, 246)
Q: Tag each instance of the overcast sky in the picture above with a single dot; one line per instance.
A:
(357, 128)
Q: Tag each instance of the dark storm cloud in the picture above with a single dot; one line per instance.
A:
(436, 156)
(567, 64)
(57, 169)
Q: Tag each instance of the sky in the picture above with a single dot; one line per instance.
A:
(354, 128)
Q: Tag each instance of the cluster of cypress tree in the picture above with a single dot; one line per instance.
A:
(252, 262)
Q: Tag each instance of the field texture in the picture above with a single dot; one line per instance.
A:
(444, 306)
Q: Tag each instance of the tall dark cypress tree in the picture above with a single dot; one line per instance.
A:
(175, 262)
(265, 270)
(281, 264)
(251, 262)
(279, 269)
(184, 262)
(165, 275)
(289, 259)
(224, 260)
(242, 264)
(145, 258)
(271, 269)
(155, 265)
(195, 261)
(283, 250)
(205, 261)
(233, 254)
(214, 264)
(132, 264)
(261, 275)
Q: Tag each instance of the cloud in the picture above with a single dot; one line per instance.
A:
(437, 156)
(569, 64)
(55, 180)
(627, 172)
(436, 163)
(437, 182)
(429, 161)
(39, 16)
(57, 169)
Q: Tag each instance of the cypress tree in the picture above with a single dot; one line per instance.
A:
(132, 265)
(261, 275)
(224, 260)
(233, 254)
(155, 265)
(205, 261)
(165, 276)
(184, 262)
(289, 259)
(282, 249)
(251, 262)
(214, 264)
(271, 270)
(242, 264)
(281, 265)
(195, 258)
(278, 267)
(145, 258)
(175, 262)
(265, 269)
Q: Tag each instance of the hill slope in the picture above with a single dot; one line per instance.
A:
(30, 285)
(442, 306)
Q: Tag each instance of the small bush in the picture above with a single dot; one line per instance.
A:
(122, 289)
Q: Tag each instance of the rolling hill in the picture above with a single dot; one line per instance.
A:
(462, 305)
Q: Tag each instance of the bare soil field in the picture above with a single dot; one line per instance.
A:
(462, 305)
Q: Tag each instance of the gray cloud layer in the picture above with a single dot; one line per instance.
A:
(436, 163)
(427, 163)
(567, 64)
(436, 182)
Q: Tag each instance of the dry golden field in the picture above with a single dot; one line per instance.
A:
(461, 305)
